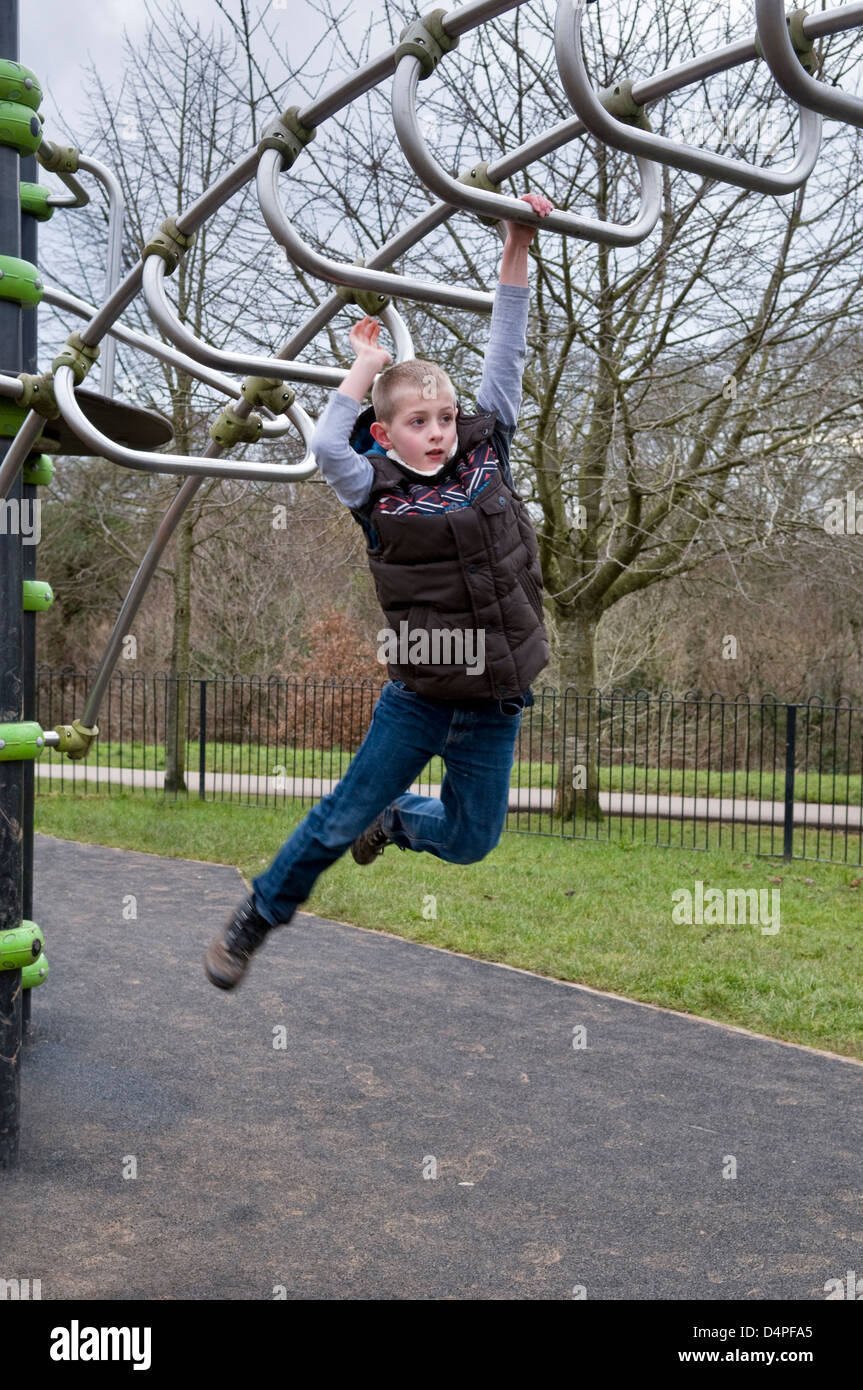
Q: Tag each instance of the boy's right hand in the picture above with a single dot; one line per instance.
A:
(364, 341)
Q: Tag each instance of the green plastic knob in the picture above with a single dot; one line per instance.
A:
(12, 417)
(19, 127)
(19, 84)
(20, 281)
(21, 946)
(20, 741)
(38, 596)
(39, 471)
(34, 201)
(35, 974)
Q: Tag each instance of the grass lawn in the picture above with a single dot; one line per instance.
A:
(595, 913)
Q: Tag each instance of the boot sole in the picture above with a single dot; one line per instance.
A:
(216, 978)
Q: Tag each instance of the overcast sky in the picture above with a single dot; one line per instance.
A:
(58, 39)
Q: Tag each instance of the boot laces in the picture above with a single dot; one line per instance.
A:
(242, 935)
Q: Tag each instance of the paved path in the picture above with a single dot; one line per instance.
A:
(302, 1166)
(714, 808)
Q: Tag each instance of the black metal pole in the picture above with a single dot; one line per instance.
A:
(11, 690)
(30, 354)
(790, 750)
(202, 741)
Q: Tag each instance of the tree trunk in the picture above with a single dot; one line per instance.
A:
(177, 693)
(577, 790)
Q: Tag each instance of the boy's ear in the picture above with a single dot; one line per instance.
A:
(379, 433)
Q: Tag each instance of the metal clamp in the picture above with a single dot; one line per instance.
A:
(368, 300)
(288, 135)
(276, 396)
(78, 355)
(477, 177)
(38, 395)
(169, 243)
(426, 40)
(58, 159)
(75, 739)
(802, 45)
(231, 428)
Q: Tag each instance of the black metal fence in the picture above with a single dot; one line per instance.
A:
(767, 777)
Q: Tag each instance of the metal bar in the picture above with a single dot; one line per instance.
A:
(274, 428)
(426, 167)
(578, 87)
(790, 745)
(116, 214)
(795, 81)
(202, 742)
(165, 316)
(455, 23)
(205, 466)
(359, 277)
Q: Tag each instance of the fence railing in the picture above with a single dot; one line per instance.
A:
(763, 776)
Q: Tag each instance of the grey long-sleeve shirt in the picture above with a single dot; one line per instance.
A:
(350, 475)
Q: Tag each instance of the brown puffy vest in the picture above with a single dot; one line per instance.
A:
(461, 588)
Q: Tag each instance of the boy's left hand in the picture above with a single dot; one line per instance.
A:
(518, 233)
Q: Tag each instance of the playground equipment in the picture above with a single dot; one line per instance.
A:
(53, 412)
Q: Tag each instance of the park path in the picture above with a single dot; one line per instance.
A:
(740, 810)
(368, 1117)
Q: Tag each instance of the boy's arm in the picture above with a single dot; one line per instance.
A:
(503, 365)
(347, 472)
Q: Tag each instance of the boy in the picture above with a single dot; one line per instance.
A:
(454, 557)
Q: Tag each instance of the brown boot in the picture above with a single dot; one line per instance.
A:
(371, 843)
(228, 955)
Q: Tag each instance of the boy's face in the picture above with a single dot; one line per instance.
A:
(422, 431)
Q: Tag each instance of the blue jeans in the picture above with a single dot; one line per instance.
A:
(463, 826)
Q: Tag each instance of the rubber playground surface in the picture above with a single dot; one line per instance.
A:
(300, 1167)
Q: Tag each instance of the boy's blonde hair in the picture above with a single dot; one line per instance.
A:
(403, 379)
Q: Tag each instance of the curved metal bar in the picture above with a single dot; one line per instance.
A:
(579, 90)
(792, 77)
(499, 205)
(141, 459)
(274, 427)
(80, 197)
(399, 332)
(165, 316)
(116, 213)
(154, 346)
(357, 277)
